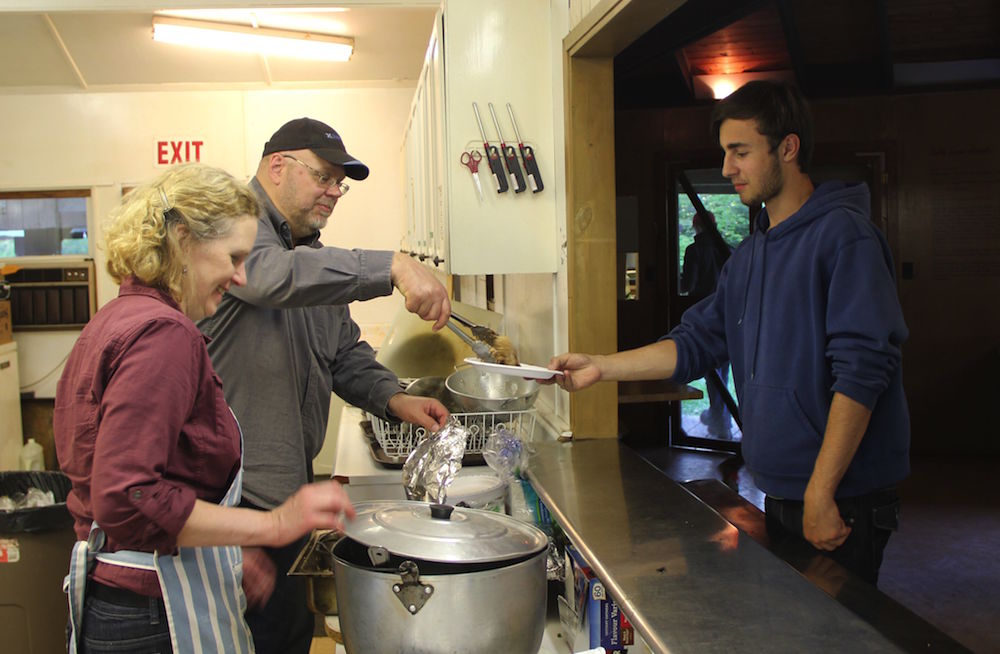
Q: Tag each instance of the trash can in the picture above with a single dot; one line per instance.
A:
(35, 546)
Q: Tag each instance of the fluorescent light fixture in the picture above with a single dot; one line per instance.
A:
(259, 40)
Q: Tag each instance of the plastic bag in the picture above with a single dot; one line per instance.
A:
(16, 484)
(504, 453)
(33, 498)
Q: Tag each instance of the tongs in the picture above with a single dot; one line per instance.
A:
(488, 345)
(481, 349)
(480, 333)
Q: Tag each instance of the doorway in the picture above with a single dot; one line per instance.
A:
(600, 173)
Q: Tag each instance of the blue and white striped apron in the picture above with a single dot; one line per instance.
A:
(202, 589)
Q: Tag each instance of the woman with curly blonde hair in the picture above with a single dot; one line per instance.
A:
(143, 236)
(144, 433)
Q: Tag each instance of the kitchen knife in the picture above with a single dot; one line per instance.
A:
(510, 156)
(492, 155)
(528, 154)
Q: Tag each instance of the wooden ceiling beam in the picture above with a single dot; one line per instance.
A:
(684, 67)
(688, 24)
(67, 55)
(793, 43)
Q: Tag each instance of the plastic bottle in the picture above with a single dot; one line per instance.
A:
(32, 456)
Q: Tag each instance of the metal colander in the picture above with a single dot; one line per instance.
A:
(475, 389)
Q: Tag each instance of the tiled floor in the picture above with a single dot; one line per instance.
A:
(942, 564)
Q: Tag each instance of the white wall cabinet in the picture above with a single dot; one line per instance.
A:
(484, 53)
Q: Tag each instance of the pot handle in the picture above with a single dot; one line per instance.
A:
(441, 511)
(411, 591)
(378, 555)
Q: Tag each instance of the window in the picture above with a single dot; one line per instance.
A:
(38, 223)
(706, 420)
(731, 216)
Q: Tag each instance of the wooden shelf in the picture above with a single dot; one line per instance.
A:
(657, 390)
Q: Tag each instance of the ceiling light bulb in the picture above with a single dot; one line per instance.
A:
(721, 88)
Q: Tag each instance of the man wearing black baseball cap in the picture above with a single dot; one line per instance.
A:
(284, 341)
(323, 140)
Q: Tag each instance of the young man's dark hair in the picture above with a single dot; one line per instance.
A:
(779, 110)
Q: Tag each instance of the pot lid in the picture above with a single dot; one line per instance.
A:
(464, 536)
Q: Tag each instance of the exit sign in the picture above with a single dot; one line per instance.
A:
(170, 152)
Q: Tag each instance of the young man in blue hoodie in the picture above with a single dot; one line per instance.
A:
(806, 312)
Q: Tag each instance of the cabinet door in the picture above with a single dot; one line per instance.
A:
(409, 235)
(428, 167)
(423, 220)
(422, 152)
(499, 56)
(437, 120)
(409, 242)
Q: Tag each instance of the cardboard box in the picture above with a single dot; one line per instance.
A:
(589, 616)
(6, 336)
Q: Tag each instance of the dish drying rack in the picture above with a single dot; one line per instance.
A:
(398, 440)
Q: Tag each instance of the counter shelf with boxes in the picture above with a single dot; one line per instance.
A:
(394, 442)
(590, 617)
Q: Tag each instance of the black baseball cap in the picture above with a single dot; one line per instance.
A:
(309, 134)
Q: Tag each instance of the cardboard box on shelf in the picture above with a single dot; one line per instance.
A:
(6, 336)
(589, 616)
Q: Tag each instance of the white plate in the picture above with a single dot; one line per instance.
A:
(524, 370)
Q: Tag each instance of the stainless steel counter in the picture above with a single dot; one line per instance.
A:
(688, 580)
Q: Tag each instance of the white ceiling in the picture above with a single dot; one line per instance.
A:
(112, 49)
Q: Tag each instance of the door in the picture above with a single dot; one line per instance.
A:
(706, 222)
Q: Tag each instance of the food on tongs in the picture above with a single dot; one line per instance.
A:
(503, 351)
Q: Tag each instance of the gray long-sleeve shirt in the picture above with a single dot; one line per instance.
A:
(284, 341)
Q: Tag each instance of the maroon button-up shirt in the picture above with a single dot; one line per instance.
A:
(142, 428)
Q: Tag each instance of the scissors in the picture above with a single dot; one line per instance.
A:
(471, 161)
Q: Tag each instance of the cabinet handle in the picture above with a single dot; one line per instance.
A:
(4, 365)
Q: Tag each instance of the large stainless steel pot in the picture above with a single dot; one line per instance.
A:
(409, 581)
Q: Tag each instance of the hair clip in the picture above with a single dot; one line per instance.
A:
(168, 211)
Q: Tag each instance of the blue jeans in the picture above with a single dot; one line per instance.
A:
(138, 626)
(872, 518)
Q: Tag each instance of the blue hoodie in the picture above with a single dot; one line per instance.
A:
(801, 311)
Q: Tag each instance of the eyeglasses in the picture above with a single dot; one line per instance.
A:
(324, 180)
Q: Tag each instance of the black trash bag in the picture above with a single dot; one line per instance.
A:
(44, 518)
